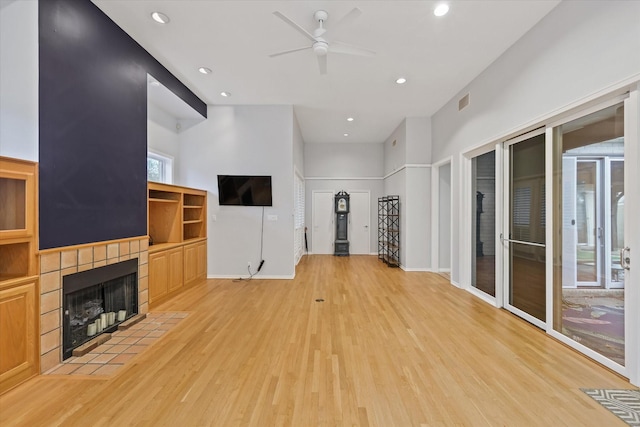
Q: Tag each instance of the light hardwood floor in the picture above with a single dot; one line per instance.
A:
(385, 348)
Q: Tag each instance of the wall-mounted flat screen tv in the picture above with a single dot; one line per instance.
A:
(244, 190)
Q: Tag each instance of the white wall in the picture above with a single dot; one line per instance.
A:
(395, 149)
(19, 79)
(162, 137)
(298, 148)
(418, 140)
(343, 160)
(342, 167)
(579, 49)
(406, 166)
(444, 217)
(244, 140)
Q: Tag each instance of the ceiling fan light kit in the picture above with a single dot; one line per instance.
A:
(320, 46)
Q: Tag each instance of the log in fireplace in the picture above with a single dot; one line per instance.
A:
(97, 301)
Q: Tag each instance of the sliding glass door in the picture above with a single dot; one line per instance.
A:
(523, 238)
(483, 223)
(589, 249)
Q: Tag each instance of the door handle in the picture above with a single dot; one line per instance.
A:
(625, 261)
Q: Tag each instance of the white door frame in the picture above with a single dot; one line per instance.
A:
(435, 213)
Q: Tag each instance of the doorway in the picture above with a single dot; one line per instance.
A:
(359, 223)
(323, 232)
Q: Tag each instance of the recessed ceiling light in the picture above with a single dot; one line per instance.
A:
(349, 119)
(441, 9)
(160, 18)
(401, 80)
(225, 94)
(205, 70)
(346, 134)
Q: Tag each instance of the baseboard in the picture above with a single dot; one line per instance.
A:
(423, 270)
(444, 270)
(256, 277)
(454, 283)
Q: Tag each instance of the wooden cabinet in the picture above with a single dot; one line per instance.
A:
(158, 276)
(195, 262)
(19, 291)
(176, 272)
(166, 273)
(178, 230)
(19, 331)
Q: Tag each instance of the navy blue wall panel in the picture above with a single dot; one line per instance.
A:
(93, 125)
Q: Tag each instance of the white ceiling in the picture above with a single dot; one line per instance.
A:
(438, 56)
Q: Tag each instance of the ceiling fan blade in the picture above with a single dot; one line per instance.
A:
(346, 20)
(297, 27)
(289, 51)
(348, 49)
(322, 64)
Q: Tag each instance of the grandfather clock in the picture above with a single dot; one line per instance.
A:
(341, 246)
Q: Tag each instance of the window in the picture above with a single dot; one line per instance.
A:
(159, 168)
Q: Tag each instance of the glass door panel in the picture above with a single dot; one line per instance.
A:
(588, 223)
(589, 199)
(615, 278)
(526, 234)
(483, 237)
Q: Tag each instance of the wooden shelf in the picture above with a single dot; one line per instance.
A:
(162, 200)
(19, 290)
(177, 226)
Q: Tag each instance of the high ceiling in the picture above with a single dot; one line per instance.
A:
(437, 55)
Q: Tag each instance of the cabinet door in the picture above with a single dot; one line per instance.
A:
(202, 260)
(158, 276)
(175, 268)
(190, 264)
(19, 332)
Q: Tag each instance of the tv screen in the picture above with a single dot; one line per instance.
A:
(243, 190)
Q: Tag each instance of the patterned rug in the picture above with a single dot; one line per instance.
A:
(625, 404)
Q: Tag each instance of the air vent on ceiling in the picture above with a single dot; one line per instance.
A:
(464, 101)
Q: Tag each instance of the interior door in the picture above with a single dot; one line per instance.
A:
(323, 222)
(359, 223)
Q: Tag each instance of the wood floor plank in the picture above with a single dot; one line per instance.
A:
(385, 348)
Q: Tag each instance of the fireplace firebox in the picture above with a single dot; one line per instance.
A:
(97, 301)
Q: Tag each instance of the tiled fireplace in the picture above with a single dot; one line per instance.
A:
(57, 263)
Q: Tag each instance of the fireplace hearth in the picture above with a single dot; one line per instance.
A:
(97, 301)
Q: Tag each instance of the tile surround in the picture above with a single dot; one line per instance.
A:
(54, 265)
(124, 345)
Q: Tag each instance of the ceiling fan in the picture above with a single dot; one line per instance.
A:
(320, 46)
